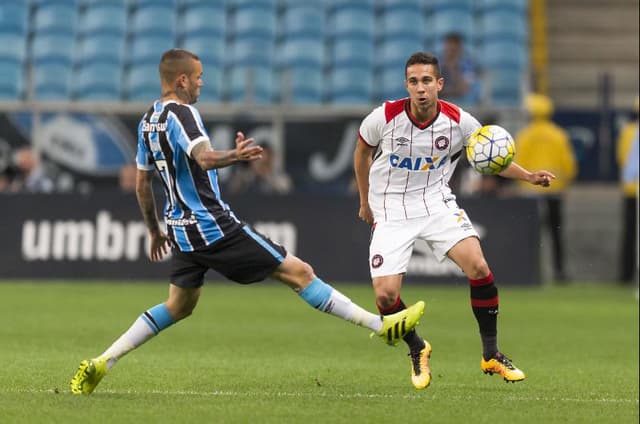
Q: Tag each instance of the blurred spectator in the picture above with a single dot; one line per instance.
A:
(544, 145)
(260, 176)
(626, 158)
(26, 174)
(127, 178)
(461, 83)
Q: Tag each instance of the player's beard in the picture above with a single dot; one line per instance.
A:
(194, 97)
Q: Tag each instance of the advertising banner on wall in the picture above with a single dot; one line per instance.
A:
(82, 152)
(102, 236)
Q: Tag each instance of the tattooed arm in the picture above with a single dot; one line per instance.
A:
(146, 200)
(208, 158)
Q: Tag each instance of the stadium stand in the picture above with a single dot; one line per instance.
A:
(352, 52)
(54, 18)
(12, 47)
(503, 52)
(204, 20)
(101, 18)
(413, 5)
(254, 20)
(146, 49)
(303, 20)
(393, 54)
(403, 24)
(389, 85)
(141, 82)
(519, 6)
(213, 79)
(325, 41)
(121, 3)
(209, 48)
(53, 48)
(63, 3)
(14, 17)
(505, 86)
(447, 20)
(11, 80)
(270, 4)
(91, 49)
(153, 3)
(51, 80)
(497, 23)
(251, 52)
(98, 81)
(350, 85)
(187, 4)
(252, 84)
(464, 5)
(296, 52)
(153, 19)
(352, 23)
(301, 85)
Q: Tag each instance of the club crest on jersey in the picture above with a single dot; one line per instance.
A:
(441, 143)
(421, 163)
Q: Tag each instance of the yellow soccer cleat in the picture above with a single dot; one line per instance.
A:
(420, 371)
(396, 326)
(502, 365)
(89, 374)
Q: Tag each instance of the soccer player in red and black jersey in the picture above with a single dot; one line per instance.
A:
(405, 155)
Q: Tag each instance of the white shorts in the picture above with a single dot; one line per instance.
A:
(392, 241)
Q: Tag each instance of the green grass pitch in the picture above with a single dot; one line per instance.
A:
(260, 355)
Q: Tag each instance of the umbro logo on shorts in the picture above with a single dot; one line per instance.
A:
(376, 261)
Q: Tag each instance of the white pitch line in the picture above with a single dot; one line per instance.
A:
(223, 393)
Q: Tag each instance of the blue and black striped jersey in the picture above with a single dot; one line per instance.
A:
(195, 214)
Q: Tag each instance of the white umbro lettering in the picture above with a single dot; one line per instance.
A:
(154, 126)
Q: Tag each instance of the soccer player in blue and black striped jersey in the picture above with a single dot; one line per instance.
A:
(202, 231)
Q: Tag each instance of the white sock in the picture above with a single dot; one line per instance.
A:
(136, 335)
(322, 296)
(148, 325)
(341, 306)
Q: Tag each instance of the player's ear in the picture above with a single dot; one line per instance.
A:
(182, 81)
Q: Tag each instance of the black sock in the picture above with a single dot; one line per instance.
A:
(484, 302)
(412, 339)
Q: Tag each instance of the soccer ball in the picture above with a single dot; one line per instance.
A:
(490, 150)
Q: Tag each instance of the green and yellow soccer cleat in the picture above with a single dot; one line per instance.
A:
(502, 365)
(89, 374)
(420, 371)
(396, 326)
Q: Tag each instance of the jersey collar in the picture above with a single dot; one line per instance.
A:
(414, 120)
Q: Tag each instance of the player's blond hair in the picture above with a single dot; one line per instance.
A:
(174, 63)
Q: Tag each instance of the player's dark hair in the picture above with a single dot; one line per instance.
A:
(423, 58)
(175, 62)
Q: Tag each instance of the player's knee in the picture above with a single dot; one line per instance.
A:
(180, 310)
(478, 269)
(295, 273)
(386, 299)
(305, 272)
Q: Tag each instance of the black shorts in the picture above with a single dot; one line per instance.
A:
(244, 256)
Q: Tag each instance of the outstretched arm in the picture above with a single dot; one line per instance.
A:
(514, 171)
(208, 158)
(146, 201)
